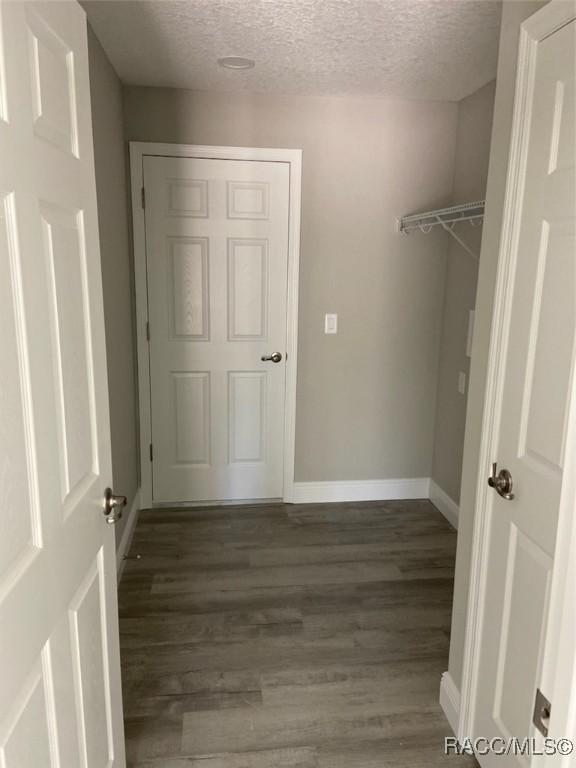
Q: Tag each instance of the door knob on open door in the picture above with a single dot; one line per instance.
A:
(113, 506)
(502, 482)
(275, 357)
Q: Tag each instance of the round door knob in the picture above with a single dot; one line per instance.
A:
(275, 357)
(113, 506)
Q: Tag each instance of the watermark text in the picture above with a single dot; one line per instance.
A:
(499, 746)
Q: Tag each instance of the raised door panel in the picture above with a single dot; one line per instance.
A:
(247, 289)
(65, 261)
(188, 288)
(89, 653)
(192, 418)
(247, 416)
(526, 591)
(248, 200)
(187, 197)
(21, 525)
(28, 737)
(53, 85)
(562, 144)
(551, 344)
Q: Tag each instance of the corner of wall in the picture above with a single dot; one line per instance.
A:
(450, 701)
(444, 504)
(123, 546)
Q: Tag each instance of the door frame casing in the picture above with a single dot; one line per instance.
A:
(559, 661)
(293, 157)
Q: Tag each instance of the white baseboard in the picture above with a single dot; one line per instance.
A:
(127, 534)
(450, 701)
(444, 504)
(361, 490)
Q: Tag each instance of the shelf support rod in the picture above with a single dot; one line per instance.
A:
(455, 236)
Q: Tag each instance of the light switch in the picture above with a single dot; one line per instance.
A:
(462, 383)
(330, 323)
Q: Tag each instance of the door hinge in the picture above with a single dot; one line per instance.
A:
(143, 198)
(151, 453)
(147, 331)
(542, 710)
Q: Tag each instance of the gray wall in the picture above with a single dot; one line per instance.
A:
(113, 222)
(366, 398)
(513, 13)
(470, 175)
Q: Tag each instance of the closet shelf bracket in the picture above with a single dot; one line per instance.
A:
(447, 218)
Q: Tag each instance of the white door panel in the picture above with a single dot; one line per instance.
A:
(539, 365)
(60, 701)
(217, 255)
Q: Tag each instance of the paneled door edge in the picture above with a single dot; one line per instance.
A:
(536, 28)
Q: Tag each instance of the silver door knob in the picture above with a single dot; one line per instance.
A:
(275, 357)
(113, 506)
(501, 482)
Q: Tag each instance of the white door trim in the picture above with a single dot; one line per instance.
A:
(294, 158)
(539, 26)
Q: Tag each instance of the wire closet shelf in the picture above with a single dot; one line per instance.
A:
(447, 218)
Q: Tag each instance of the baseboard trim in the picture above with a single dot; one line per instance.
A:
(444, 504)
(361, 490)
(450, 701)
(213, 503)
(127, 534)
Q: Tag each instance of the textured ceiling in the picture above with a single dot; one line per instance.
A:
(414, 49)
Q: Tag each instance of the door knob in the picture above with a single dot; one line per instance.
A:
(275, 357)
(502, 482)
(113, 506)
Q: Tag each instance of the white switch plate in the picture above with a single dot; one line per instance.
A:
(462, 383)
(330, 323)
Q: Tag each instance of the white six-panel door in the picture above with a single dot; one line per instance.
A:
(216, 259)
(60, 700)
(538, 372)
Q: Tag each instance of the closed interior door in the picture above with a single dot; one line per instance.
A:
(539, 370)
(60, 699)
(217, 258)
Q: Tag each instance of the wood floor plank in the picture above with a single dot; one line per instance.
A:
(203, 683)
(318, 598)
(175, 705)
(236, 730)
(389, 551)
(220, 627)
(282, 576)
(401, 685)
(301, 757)
(423, 750)
(363, 618)
(274, 636)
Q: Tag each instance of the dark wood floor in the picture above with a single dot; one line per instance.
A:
(309, 636)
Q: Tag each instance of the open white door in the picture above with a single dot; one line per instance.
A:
(532, 385)
(60, 698)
